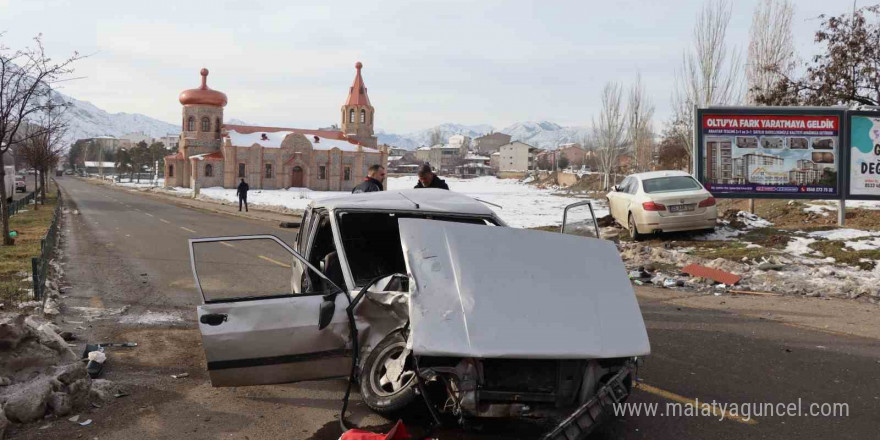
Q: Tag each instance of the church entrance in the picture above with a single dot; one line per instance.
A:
(296, 177)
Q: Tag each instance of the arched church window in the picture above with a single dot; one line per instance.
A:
(206, 125)
(191, 124)
(351, 115)
(170, 170)
(209, 170)
(217, 125)
(363, 116)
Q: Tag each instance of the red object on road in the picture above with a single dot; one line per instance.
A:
(398, 432)
(712, 274)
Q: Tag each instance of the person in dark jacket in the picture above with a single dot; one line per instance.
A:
(427, 179)
(373, 181)
(241, 192)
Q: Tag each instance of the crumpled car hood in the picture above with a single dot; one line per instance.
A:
(488, 291)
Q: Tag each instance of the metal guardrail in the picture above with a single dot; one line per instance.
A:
(40, 265)
(18, 205)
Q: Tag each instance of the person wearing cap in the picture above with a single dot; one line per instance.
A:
(427, 179)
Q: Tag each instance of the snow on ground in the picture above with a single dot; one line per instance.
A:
(864, 245)
(524, 206)
(144, 183)
(800, 246)
(820, 209)
(150, 318)
(843, 234)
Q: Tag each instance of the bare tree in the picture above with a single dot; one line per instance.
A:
(771, 55)
(437, 137)
(640, 110)
(609, 132)
(710, 73)
(44, 147)
(26, 79)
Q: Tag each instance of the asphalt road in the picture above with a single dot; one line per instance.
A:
(126, 250)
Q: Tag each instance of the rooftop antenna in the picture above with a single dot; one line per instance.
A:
(489, 203)
(410, 200)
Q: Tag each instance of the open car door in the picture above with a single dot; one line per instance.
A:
(258, 324)
(580, 219)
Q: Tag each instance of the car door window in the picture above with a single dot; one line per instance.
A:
(228, 269)
(633, 187)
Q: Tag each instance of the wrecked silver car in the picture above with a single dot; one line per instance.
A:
(426, 296)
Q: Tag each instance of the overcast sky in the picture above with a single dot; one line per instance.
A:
(290, 63)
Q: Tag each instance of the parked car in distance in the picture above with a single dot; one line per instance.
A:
(662, 201)
(20, 184)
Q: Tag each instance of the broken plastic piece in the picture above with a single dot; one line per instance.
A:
(712, 274)
(86, 423)
(398, 432)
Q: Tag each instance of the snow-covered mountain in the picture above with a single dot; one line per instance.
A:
(87, 120)
(545, 134)
(542, 134)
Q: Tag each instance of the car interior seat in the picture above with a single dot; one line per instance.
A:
(333, 271)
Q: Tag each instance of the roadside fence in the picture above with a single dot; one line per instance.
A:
(17, 205)
(40, 264)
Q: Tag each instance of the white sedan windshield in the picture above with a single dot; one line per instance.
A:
(669, 184)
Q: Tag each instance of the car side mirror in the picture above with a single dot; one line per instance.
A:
(325, 314)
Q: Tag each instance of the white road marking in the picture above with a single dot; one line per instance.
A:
(164, 221)
(188, 229)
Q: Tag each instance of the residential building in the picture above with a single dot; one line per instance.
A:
(717, 161)
(516, 157)
(490, 143)
(475, 165)
(763, 169)
(212, 153)
(136, 138)
(423, 154)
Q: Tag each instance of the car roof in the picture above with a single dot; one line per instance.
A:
(427, 199)
(664, 173)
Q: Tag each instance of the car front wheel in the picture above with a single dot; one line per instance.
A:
(387, 383)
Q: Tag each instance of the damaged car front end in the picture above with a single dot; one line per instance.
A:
(453, 308)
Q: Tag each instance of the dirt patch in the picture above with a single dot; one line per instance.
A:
(179, 349)
(863, 259)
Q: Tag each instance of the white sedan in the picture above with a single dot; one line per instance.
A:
(661, 201)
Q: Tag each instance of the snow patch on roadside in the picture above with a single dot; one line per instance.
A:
(864, 245)
(800, 246)
(844, 234)
(151, 318)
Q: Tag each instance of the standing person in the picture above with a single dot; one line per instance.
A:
(373, 181)
(427, 179)
(241, 192)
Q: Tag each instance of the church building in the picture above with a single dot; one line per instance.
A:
(212, 153)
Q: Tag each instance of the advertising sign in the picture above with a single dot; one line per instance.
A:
(864, 156)
(770, 153)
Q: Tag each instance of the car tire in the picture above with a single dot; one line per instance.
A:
(383, 394)
(633, 229)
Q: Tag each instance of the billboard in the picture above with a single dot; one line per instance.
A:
(769, 152)
(863, 181)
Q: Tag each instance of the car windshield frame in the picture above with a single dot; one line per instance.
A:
(432, 215)
(645, 184)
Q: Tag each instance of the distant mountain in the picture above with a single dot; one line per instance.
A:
(543, 134)
(87, 120)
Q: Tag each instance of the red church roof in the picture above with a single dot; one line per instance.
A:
(357, 94)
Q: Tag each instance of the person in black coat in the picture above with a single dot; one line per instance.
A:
(241, 192)
(427, 179)
(373, 181)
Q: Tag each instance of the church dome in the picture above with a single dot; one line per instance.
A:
(203, 95)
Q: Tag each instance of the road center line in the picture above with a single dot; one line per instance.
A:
(147, 213)
(273, 261)
(164, 221)
(188, 229)
(716, 411)
(227, 244)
